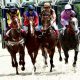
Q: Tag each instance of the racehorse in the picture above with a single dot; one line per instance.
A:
(49, 41)
(15, 44)
(70, 40)
(32, 43)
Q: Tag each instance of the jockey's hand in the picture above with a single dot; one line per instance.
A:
(64, 28)
(62, 31)
(51, 22)
(30, 18)
(37, 28)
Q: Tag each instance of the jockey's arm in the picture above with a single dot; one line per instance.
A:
(26, 21)
(53, 17)
(7, 35)
(19, 16)
(36, 20)
(8, 19)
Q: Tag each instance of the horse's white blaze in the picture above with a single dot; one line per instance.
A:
(75, 25)
(31, 27)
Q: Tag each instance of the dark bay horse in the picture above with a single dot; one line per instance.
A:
(49, 41)
(70, 40)
(32, 44)
(15, 44)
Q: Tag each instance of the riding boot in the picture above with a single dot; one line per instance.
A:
(63, 30)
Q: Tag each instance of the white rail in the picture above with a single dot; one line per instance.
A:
(53, 2)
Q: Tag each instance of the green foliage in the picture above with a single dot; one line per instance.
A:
(0, 18)
(77, 9)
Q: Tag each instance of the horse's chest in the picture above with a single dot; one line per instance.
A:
(15, 36)
(70, 44)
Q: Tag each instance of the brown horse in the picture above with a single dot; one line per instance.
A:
(15, 44)
(49, 41)
(32, 44)
(70, 40)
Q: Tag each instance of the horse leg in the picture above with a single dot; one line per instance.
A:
(59, 50)
(15, 63)
(22, 57)
(66, 56)
(51, 54)
(22, 61)
(44, 54)
(75, 58)
(31, 56)
(34, 59)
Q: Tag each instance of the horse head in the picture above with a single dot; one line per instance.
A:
(31, 27)
(15, 22)
(47, 29)
(72, 27)
(46, 21)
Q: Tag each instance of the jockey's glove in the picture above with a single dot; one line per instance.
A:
(51, 22)
(64, 28)
(37, 28)
(62, 31)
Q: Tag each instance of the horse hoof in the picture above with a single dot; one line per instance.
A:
(23, 68)
(53, 65)
(66, 61)
(34, 69)
(17, 73)
(45, 62)
(60, 59)
(45, 66)
(13, 65)
(50, 70)
(20, 63)
(74, 64)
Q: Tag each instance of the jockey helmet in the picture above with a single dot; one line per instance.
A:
(47, 4)
(13, 10)
(68, 6)
(30, 8)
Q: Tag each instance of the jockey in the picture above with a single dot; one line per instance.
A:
(66, 16)
(52, 15)
(30, 14)
(13, 22)
(13, 13)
